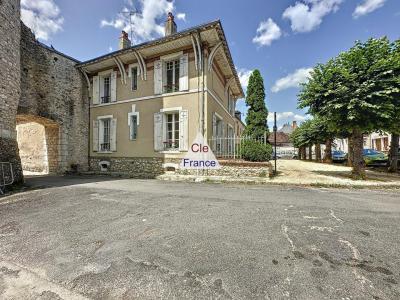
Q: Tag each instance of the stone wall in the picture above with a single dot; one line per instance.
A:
(53, 89)
(235, 169)
(10, 28)
(137, 167)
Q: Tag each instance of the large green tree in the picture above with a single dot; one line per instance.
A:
(346, 93)
(257, 114)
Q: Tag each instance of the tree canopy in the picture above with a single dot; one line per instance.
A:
(257, 114)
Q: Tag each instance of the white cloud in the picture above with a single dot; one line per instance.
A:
(286, 116)
(181, 16)
(307, 15)
(43, 17)
(244, 76)
(110, 49)
(292, 80)
(267, 32)
(367, 7)
(147, 22)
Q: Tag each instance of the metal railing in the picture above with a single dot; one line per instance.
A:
(231, 147)
(105, 99)
(105, 147)
(171, 88)
(7, 178)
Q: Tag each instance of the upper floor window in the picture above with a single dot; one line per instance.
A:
(134, 78)
(106, 91)
(172, 76)
(105, 87)
(171, 73)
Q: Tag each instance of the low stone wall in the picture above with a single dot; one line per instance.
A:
(135, 167)
(234, 168)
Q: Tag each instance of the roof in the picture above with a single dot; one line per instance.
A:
(151, 48)
(281, 138)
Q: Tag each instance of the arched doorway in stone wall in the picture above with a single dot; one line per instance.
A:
(38, 142)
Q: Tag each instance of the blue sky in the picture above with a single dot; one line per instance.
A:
(283, 39)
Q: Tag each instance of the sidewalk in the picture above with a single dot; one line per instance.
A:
(295, 172)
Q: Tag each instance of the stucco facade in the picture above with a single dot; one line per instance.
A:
(207, 94)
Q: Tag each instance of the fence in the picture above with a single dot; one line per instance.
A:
(231, 147)
(6, 175)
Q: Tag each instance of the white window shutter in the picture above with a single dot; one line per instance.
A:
(95, 135)
(113, 86)
(183, 73)
(96, 90)
(183, 130)
(158, 131)
(158, 75)
(113, 135)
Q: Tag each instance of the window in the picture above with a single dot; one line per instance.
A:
(134, 78)
(106, 133)
(134, 127)
(219, 135)
(106, 93)
(172, 76)
(172, 131)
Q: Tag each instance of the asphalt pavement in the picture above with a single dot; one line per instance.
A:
(107, 238)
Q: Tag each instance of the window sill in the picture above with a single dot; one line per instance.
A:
(170, 152)
(104, 152)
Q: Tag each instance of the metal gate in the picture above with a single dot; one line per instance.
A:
(6, 176)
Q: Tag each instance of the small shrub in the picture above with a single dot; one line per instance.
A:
(256, 151)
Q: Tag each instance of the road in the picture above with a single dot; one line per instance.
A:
(99, 238)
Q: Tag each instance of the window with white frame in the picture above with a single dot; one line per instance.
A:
(134, 78)
(106, 89)
(172, 131)
(105, 133)
(172, 76)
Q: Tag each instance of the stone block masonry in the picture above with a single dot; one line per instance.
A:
(39, 84)
(135, 167)
(10, 28)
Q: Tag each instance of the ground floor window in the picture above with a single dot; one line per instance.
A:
(105, 145)
(172, 131)
(134, 127)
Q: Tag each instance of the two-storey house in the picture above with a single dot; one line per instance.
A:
(149, 101)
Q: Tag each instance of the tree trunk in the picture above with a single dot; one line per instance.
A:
(328, 151)
(318, 152)
(394, 153)
(357, 155)
(350, 153)
(303, 153)
(310, 152)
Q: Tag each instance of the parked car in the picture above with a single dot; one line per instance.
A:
(339, 156)
(374, 157)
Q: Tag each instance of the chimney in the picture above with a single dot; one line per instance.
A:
(124, 41)
(238, 115)
(294, 125)
(170, 25)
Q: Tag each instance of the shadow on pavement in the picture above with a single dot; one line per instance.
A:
(47, 181)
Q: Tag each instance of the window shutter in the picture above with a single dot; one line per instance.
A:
(183, 73)
(158, 131)
(96, 90)
(95, 135)
(113, 86)
(113, 135)
(183, 130)
(158, 74)
(223, 140)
